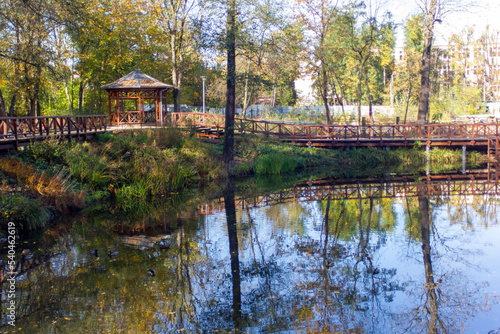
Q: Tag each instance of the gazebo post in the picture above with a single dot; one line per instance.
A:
(156, 107)
(110, 95)
(117, 107)
(139, 102)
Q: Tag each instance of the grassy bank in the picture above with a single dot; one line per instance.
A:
(132, 168)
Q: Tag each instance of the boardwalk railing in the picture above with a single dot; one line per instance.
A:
(399, 134)
(397, 187)
(14, 129)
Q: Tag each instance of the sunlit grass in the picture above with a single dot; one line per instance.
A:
(138, 166)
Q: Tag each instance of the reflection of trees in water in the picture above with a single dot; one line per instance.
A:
(447, 300)
(327, 278)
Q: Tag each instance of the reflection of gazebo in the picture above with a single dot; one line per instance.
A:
(136, 98)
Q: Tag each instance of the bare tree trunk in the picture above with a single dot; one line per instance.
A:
(68, 97)
(12, 108)
(81, 92)
(368, 97)
(273, 102)
(432, 297)
(408, 101)
(341, 99)
(245, 99)
(3, 111)
(359, 96)
(232, 232)
(425, 89)
(177, 100)
(228, 149)
(324, 95)
(35, 103)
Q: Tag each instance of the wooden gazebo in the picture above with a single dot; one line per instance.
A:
(137, 98)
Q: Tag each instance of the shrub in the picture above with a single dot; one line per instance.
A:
(49, 151)
(26, 213)
(275, 164)
(57, 189)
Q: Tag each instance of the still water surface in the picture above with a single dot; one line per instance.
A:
(341, 258)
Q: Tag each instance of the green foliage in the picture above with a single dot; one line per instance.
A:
(26, 213)
(127, 166)
(49, 151)
(88, 168)
(414, 35)
(275, 164)
(460, 101)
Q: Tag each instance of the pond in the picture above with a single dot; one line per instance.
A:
(331, 256)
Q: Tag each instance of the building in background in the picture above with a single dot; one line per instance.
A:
(474, 64)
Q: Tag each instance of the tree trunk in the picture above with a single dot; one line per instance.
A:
(12, 108)
(81, 92)
(368, 97)
(245, 99)
(34, 111)
(425, 89)
(3, 111)
(359, 96)
(68, 97)
(341, 99)
(432, 299)
(324, 95)
(408, 101)
(177, 100)
(273, 102)
(232, 232)
(228, 149)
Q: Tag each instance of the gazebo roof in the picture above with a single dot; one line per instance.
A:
(137, 80)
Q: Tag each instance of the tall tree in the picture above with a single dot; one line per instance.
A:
(228, 149)
(431, 16)
(174, 18)
(318, 18)
(407, 71)
(433, 11)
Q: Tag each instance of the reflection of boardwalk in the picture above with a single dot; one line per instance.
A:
(476, 134)
(394, 187)
(20, 131)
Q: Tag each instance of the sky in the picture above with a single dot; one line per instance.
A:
(487, 12)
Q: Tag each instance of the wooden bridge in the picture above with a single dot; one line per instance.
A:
(482, 135)
(483, 184)
(20, 131)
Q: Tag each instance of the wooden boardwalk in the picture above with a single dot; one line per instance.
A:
(17, 132)
(482, 184)
(391, 135)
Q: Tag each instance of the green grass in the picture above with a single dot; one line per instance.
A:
(134, 167)
(26, 213)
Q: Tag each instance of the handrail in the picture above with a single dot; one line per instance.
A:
(398, 187)
(17, 128)
(425, 133)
